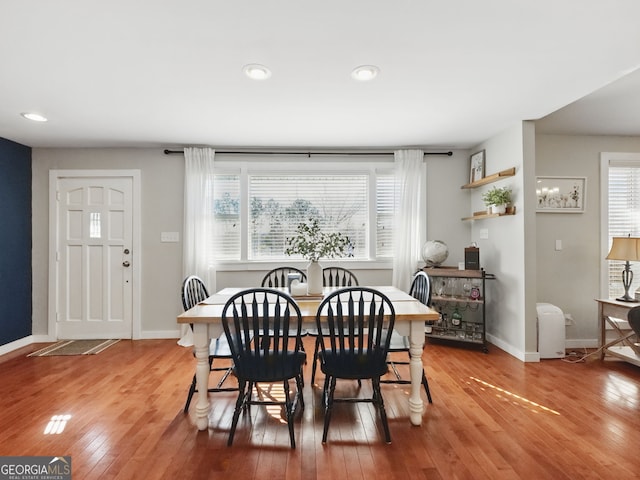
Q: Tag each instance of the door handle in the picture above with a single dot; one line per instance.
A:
(126, 264)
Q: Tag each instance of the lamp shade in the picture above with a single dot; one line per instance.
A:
(625, 248)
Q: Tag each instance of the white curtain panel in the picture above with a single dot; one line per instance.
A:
(198, 222)
(410, 215)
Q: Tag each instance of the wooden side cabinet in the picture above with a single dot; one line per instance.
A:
(460, 297)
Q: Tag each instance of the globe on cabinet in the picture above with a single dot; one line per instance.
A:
(434, 252)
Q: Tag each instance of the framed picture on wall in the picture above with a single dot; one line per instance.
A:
(477, 166)
(561, 194)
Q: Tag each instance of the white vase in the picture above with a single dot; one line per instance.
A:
(501, 209)
(314, 278)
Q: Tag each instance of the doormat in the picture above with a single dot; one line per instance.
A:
(73, 347)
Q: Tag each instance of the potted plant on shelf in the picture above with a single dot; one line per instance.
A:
(313, 245)
(496, 199)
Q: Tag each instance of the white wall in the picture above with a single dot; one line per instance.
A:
(570, 278)
(525, 262)
(519, 250)
(508, 311)
(447, 204)
(162, 178)
(162, 193)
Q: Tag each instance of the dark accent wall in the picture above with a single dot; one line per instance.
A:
(15, 241)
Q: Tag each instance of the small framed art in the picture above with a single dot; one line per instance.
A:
(561, 194)
(477, 166)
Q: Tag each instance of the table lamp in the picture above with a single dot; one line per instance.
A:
(627, 249)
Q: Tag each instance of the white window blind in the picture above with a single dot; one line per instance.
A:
(278, 203)
(385, 214)
(624, 217)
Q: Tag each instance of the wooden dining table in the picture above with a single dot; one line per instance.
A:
(410, 318)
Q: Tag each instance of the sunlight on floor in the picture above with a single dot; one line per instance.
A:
(57, 424)
(273, 392)
(512, 396)
(620, 390)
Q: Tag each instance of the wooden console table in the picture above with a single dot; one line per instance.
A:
(611, 312)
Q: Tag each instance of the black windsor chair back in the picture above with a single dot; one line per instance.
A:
(278, 277)
(331, 277)
(354, 340)
(420, 290)
(194, 291)
(263, 328)
(338, 277)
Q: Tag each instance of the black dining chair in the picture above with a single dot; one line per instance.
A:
(194, 291)
(331, 277)
(278, 277)
(353, 345)
(258, 324)
(420, 290)
(338, 277)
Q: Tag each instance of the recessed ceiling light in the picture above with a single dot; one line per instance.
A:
(365, 73)
(36, 117)
(256, 72)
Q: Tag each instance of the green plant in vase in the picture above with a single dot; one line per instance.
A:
(497, 198)
(313, 244)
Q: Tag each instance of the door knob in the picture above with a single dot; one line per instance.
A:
(126, 264)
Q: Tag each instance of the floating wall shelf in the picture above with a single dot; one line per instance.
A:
(509, 172)
(483, 214)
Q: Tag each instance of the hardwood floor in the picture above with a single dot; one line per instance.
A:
(493, 417)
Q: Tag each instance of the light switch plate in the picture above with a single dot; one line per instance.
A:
(484, 233)
(169, 237)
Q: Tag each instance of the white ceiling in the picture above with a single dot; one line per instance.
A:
(452, 73)
(611, 110)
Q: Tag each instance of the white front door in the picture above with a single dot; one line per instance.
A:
(94, 258)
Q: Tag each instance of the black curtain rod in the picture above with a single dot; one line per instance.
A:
(238, 152)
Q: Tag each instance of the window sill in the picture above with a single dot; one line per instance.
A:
(268, 265)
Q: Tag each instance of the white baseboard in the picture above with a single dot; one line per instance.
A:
(163, 334)
(511, 350)
(24, 342)
(535, 356)
(582, 343)
(159, 334)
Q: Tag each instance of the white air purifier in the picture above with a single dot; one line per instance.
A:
(551, 331)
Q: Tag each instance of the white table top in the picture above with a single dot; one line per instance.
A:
(406, 307)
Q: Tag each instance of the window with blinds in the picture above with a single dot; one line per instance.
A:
(263, 210)
(624, 217)
(278, 203)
